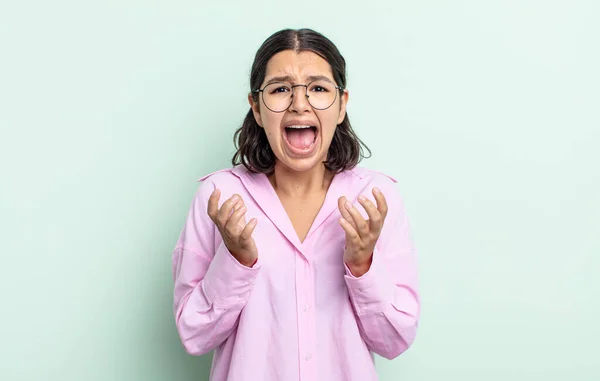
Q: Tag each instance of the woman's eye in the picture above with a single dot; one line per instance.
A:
(319, 89)
(280, 89)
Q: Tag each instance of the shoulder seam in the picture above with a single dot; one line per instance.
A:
(213, 173)
(361, 173)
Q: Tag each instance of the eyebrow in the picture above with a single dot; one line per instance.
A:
(287, 78)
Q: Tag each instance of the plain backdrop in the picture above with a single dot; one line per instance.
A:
(487, 112)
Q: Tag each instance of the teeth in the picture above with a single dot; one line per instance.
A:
(298, 126)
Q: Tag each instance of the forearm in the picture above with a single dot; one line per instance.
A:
(209, 296)
(386, 306)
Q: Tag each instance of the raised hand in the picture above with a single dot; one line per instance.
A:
(362, 235)
(231, 222)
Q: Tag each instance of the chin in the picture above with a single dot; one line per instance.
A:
(302, 164)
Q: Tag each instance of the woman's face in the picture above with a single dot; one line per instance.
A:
(300, 136)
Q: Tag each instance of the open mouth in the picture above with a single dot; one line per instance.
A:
(301, 138)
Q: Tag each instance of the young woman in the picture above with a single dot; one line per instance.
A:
(295, 263)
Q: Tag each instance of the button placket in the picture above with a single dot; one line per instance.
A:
(306, 326)
(309, 295)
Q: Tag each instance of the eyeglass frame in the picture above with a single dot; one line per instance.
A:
(340, 88)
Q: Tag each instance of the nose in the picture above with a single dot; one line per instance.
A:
(300, 99)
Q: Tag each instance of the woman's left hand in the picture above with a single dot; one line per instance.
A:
(362, 235)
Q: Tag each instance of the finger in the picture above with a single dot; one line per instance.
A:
(234, 221)
(375, 220)
(382, 205)
(341, 206)
(351, 234)
(247, 232)
(213, 205)
(225, 210)
(362, 227)
(239, 205)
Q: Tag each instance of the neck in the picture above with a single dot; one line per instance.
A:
(291, 183)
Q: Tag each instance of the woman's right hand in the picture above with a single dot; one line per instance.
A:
(230, 220)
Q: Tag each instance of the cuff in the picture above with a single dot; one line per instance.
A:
(228, 283)
(373, 291)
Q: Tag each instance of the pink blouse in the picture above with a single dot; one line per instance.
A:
(298, 313)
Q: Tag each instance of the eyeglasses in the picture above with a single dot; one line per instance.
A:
(278, 96)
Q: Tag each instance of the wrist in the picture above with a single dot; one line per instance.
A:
(244, 261)
(249, 263)
(253, 262)
(360, 268)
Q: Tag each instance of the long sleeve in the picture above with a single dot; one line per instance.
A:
(385, 299)
(210, 286)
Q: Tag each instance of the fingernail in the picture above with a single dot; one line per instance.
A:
(348, 205)
(235, 197)
(362, 198)
(376, 190)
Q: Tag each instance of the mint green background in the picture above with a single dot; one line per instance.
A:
(486, 111)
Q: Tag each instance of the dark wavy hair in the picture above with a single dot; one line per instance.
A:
(252, 146)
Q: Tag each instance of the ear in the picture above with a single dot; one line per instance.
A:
(255, 110)
(344, 102)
